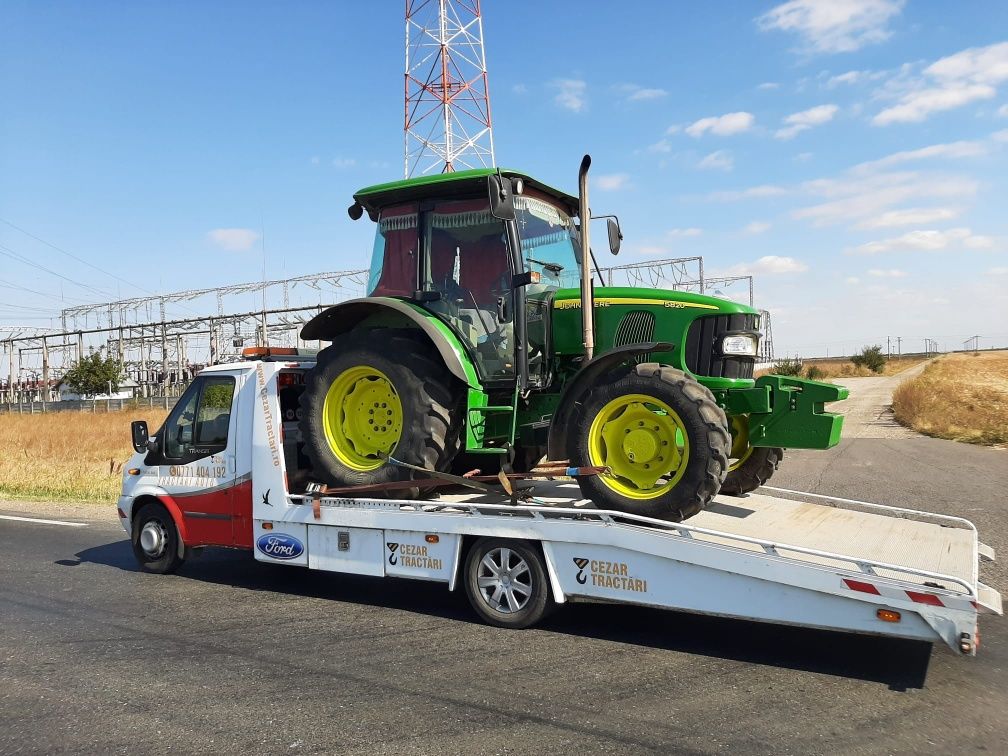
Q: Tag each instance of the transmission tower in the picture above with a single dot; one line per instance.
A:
(447, 124)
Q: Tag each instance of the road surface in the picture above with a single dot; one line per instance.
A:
(868, 412)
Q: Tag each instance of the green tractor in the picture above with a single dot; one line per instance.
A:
(488, 339)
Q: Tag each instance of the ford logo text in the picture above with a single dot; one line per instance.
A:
(280, 546)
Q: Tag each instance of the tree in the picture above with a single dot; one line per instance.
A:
(92, 375)
(871, 358)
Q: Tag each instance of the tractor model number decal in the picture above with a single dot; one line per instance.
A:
(573, 304)
(605, 574)
(411, 555)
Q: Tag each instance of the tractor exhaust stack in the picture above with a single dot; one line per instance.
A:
(587, 299)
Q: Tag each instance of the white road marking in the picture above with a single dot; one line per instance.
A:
(45, 522)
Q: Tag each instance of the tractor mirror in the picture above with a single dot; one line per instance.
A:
(501, 197)
(355, 211)
(521, 279)
(138, 429)
(615, 236)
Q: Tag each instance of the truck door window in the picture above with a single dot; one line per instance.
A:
(198, 426)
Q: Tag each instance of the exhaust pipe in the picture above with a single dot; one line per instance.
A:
(587, 300)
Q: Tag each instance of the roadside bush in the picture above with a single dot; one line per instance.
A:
(788, 366)
(871, 358)
(814, 373)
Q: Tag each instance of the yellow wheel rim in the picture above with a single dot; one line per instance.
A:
(643, 442)
(362, 417)
(740, 449)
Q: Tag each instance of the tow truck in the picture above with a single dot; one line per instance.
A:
(227, 468)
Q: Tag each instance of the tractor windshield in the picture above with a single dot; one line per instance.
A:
(547, 242)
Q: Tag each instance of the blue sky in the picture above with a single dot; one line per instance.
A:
(850, 154)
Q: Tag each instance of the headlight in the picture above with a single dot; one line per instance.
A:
(744, 345)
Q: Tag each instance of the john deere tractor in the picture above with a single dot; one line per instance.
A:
(487, 335)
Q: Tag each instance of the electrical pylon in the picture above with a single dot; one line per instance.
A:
(447, 123)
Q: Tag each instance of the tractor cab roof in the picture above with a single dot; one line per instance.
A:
(448, 185)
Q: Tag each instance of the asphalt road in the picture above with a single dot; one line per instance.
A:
(232, 655)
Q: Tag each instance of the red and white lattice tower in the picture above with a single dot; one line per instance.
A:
(448, 123)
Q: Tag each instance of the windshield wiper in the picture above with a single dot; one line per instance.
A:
(554, 268)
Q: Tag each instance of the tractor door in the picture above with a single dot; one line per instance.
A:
(468, 265)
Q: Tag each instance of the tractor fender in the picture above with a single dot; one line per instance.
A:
(346, 316)
(588, 376)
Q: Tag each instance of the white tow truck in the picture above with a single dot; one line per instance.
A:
(225, 469)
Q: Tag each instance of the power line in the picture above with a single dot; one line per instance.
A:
(7, 251)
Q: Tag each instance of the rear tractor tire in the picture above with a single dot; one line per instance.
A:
(662, 436)
(374, 394)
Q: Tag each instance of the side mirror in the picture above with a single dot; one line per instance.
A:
(501, 196)
(138, 429)
(615, 236)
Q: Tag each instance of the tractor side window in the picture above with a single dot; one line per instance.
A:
(394, 260)
(468, 264)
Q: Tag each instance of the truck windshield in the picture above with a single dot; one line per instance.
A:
(547, 242)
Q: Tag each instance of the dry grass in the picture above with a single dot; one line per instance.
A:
(844, 368)
(963, 397)
(67, 455)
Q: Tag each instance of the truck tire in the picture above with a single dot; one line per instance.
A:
(505, 581)
(749, 473)
(663, 437)
(377, 393)
(156, 540)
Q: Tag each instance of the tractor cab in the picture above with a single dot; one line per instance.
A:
(446, 249)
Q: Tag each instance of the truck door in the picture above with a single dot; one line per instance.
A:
(197, 462)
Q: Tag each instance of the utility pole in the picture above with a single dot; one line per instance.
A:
(888, 347)
(899, 346)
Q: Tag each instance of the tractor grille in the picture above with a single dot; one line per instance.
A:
(636, 327)
(703, 351)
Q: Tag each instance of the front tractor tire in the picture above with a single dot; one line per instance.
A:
(662, 436)
(376, 394)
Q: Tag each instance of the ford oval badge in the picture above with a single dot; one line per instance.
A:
(280, 546)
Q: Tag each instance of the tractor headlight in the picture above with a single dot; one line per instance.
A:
(743, 345)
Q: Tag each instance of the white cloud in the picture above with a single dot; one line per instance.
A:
(234, 239)
(806, 119)
(673, 129)
(612, 182)
(769, 265)
(754, 192)
(911, 216)
(662, 145)
(637, 93)
(961, 149)
(344, 162)
(852, 280)
(1003, 111)
(998, 271)
(720, 160)
(678, 232)
(803, 157)
(1000, 136)
(766, 86)
(852, 77)
(519, 88)
(950, 82)
(572, 94)
(929, 240)
(757, 227)
(890, 273)
(831, 26)
(723, 125)
(855, 197)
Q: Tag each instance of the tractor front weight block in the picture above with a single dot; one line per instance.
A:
(788, 412)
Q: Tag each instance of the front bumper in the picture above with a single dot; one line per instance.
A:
(788, 412)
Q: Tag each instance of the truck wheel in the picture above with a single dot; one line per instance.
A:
(749, 467)
(373, 394)
(662, 436)
(156, 540)
(506, 582)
